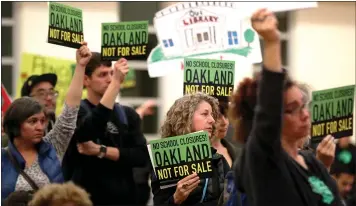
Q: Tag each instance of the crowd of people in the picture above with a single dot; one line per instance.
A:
(94, 152)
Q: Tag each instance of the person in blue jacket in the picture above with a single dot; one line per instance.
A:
(37, 155)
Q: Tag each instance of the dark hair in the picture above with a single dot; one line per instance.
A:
(17, 113)
(243, 101)
(339, 168)
(94, 63)
(223, 108)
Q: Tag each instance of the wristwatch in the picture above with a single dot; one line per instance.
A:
(102, 151)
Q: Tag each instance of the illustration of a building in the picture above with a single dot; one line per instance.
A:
(194, 27)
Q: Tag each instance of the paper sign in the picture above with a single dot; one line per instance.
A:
(332, 112)
(177, 157)
(124, 39)
(5, 99)
(201, 30)
(32, 64)
(208, 30)
(213, 77)
(65, 25)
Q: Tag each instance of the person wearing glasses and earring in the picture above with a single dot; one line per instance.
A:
(42, 88)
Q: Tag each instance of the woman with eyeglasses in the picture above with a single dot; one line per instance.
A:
(272, 170)
(31, 159)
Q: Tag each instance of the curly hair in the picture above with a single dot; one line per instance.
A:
(243, 102)
(60, 194)
(180, 116)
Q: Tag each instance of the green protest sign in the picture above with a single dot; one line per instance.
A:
(332, 112)
(124, 39)
(174, 158)
(213, 77)
(130, 80)
(65, 25)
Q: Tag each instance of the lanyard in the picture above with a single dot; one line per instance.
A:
(204, 191)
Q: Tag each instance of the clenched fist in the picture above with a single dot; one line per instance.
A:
(83, 55)
(121, 68)
(265, 24)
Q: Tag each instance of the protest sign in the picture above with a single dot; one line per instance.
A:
(210, 30)
(124, 39)
(332, 112)
(174, 158)
(32, 64)
(5, 99)
(213, 77)
(65, 25)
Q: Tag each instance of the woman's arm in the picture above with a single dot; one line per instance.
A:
(65, 125)
(266, 131)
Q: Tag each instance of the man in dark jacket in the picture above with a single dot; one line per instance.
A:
(108, 141)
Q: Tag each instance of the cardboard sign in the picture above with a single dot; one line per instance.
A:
(213, 77)
(210, 30)
(332, 112)
(174, 158)
(37, 64)
(124, 39)
(5, 99)
(65, 25)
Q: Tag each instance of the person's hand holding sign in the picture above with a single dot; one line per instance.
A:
(325, 152)
(121, 68)
(83, 55)
(184, 187)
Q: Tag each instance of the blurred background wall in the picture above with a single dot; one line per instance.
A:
(318, 47)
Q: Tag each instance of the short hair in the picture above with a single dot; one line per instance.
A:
(338, 168)
(179, 117)
(243, 102)
(223, 108)
(95, 62)
(59, 194)
(17, 113)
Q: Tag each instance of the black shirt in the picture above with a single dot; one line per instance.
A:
(108, 182)
(268, 175)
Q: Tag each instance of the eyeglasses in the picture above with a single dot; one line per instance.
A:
(298, 110)
(45, 94)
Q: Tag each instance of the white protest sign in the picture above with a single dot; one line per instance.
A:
(210, 30)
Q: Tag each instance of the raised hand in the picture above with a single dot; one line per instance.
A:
(121, 68)
(146, 108)
(184, 187)
(265, 24)
(83, 55)
(325, 152)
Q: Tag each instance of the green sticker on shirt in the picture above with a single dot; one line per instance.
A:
(345, 156)
(320, 188)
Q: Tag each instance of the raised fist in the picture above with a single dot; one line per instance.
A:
(121, 68)
(265, 24)
(83, 55)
